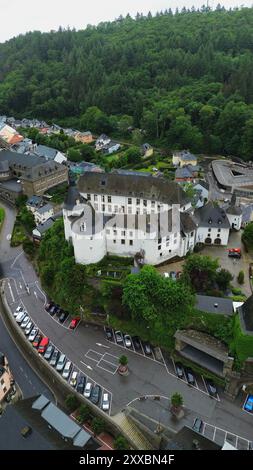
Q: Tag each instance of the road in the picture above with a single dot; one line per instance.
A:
(97, 358)
(29, 383)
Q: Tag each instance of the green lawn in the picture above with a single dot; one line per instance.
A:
(18, 235)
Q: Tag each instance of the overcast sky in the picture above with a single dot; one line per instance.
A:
(20, 16)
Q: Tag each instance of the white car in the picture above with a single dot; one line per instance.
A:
(128, 341)
(28, 328)
(105, 402)
(87, 390)
(20, 317)
(25, 322)
(73, 379)
(33, 334)
(67, 370)
(20, 308)
(17, 312)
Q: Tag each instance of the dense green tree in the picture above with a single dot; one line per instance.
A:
(240, 277)
(74, 155)
(247, 236)
(98, 426)
(120, 443)
(200, 271)
(223, 279)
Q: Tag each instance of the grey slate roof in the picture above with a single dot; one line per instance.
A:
(211, 216)
(44, 151)
(184, 172)
(147, 187)
(25, 161)
(11, 185)
(4, 166)
(206, 303)
(36, 172)
(71, 198)
(46, 208)
(234, 210)
(34, 201)
(246, 311)
(42, 228)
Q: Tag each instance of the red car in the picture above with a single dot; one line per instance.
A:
(74, 323)
(43, 345)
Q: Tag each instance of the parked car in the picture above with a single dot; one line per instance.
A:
(119, 336)
(128, 341)
(17, 312)
(136, 342)
(81, 381)
(37, 340)
(49, 352)
(25, 321)
(234, 253)
(173, 275)
(190, 377)
(73, 379)
(74, 323)
(20, 308)
(147, 348)
(20, 317)
(108, 332)
(33, 334)
(54, 359)
(179, 370)
(198, 425)
(67, 369)
(249, 403)
(95, 394)
(29, 328)
(61, 363)
(43, 345)
(48, 306)
(63, 317)
(105, 401)
(88, 389)
(52, 309)
(211, 387)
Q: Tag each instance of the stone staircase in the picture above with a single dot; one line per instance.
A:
(132, 431)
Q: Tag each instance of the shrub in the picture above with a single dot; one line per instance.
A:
(98, 425)
(120, 443)
(71, 402)
(240, 277)
(84, 413)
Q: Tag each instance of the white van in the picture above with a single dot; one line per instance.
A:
(20, 317)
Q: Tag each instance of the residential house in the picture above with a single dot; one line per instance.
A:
(41, 229)
(102, 141)
(34, 203)
(147, 150)
(84, 137)
(187, 173)
(234, 215)
(110, 148)
(6, 379)
(43, 213)
(50, 153)
(210, 304)
(213, 225)
(10, 135)
(247, 214)
(183, 158)
(202, 191)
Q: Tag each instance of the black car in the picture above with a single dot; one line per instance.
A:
(197, 425)
(108, 332)
(147, 348)
(190, 377)
(95, 394)
(136, 342)
(179, 370)
(81, 381)
(211, 387)
(49, 351)
(63, 317)
(54, 359)
(58, 311)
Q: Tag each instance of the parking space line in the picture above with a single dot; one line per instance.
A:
(109, 354)
(204, 427)
(107, 370)
(204, 383)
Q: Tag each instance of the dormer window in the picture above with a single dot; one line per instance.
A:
(219, 221)
(103, 182)
(210, 221)
(83, 227)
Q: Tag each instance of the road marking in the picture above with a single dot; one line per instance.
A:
(102, 345)
(86, 365)
(20, 285)
(35, 293)
(16, 258)
(12, 296)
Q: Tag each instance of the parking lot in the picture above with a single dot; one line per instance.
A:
(161, 357)
(73, 367)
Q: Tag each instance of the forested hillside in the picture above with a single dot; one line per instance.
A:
(187, 78)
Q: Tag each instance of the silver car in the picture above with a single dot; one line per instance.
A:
(105, 402)
(67, 370)
(25, 321)
(29, 327)
(128, 341)
(61, 363)
(33, 334)
(20, 317)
